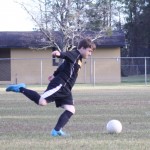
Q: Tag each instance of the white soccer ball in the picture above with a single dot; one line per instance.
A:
(114, 126)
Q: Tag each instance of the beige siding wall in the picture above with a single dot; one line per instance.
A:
(29, 70)
(106, 70)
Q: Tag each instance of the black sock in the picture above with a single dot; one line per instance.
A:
(32, 95)
(63, 119)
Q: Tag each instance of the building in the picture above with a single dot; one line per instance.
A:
(21, 61)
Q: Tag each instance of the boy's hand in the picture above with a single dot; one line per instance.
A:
(56, 53)
(50, 78)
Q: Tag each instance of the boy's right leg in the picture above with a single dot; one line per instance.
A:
(63, 119)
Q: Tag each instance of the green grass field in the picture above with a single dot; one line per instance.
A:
(26, 126)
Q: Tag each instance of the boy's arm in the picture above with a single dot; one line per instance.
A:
(57, 70)
(51, 77)
(64, 55)
(56, 53)
(59, 55)
(70, 56)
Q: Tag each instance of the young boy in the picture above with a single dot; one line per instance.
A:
(61, 83)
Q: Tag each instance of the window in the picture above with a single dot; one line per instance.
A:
(5, 65)
(55, 60)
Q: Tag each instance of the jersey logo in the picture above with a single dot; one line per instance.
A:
(79, 63)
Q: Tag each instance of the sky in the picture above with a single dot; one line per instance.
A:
(13, 17)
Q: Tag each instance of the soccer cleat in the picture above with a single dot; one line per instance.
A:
(57, 133)
(15, 87)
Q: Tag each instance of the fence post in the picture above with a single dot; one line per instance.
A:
(145, 71)
(94, 72)
(91, 70)
(41, 72)
(85, 72)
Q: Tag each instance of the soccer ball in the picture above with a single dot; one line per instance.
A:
(114, 126)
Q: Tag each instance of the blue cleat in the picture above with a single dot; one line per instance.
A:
(15, 87)
(57, 133)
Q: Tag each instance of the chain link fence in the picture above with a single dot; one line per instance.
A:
(135, 69)
(94, 70)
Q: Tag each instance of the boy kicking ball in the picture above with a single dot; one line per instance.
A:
(61, 83)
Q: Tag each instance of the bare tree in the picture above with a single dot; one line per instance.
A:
(68, 17)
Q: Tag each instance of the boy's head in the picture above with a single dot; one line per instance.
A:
(86, 47)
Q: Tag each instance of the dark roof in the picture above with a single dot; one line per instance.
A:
(21, 39)
(37, 39)
(116, 39)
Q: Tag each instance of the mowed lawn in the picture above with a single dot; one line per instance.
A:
(26, 126)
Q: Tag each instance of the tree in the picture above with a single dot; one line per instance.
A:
(144, 32)
(105, 13)
(135, 28)
(137, 31)
(68, 17)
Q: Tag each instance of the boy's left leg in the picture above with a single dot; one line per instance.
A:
(15, 87)
(63, 119)
(32, 95)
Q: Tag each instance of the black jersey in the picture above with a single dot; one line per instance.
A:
(59, 89)
(67, 72)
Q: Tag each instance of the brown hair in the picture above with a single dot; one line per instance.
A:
(86, 43)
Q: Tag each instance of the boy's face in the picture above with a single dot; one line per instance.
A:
(86, 52)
